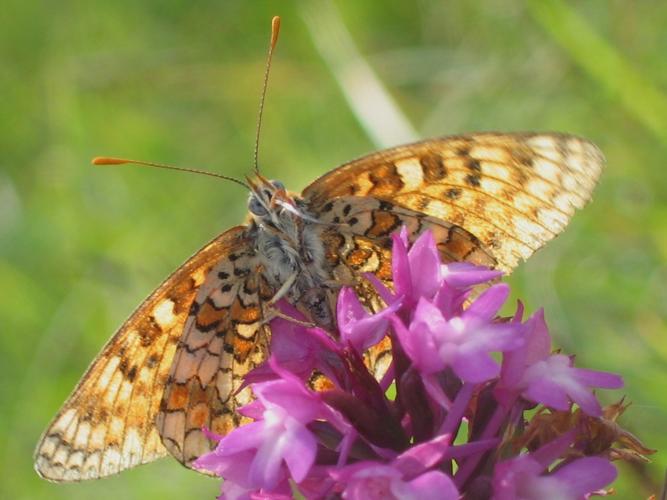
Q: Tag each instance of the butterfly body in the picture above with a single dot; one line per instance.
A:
(177, 364)
(287, 239)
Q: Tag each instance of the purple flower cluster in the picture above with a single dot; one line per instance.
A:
(480, 407)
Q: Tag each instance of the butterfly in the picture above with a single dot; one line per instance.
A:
(177, 364)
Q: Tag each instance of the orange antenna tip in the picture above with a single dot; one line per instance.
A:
(105, 160)
(275, 30)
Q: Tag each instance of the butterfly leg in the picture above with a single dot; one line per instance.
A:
(335, 284)
(272, 313)
(284, 288)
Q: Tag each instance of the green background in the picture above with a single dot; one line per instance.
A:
(179, 82)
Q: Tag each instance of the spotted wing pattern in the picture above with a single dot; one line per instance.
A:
(373, 220)
(359, 242)
(514, 192)
(107, 423)
(224, 338)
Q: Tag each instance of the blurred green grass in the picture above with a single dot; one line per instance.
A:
(178, 82)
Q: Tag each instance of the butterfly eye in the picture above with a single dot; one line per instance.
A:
(255, 207)
(278, 184)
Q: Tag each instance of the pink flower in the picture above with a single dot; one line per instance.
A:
(410, 475)
(278, 445)
(349, 439)
(527, 478)
(464, 342)
(358, 327)
(551, 379)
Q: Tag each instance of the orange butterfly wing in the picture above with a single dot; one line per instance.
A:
(512, 191)
(108, 422)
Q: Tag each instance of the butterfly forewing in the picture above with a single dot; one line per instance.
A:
(108, 422)
(513, 192)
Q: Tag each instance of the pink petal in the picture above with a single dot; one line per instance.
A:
(434, 389)
(300, 453)
(419, 345)
(382, 290)
(475, 367)
(594, 378)
(495, 337)
(423, 456)
(465, 275)
(586, 475)
(433, 485)
(425, 265)
(288, 395)
(357, 326)
(537, 346)
(242, 438)
(487, 305)
(538, 342)
(547, 392)
(550, 452)
(267, 469)
(586, 400)
(400, 267)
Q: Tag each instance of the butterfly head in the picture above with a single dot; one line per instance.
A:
(268, 199)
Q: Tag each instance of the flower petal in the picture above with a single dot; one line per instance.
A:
(357, 326)
(419, 344)
(536, 347)
(241, 439)
(382, 290)
(267, 469)
(594, 378)
(300, 453)
(424, 259)
(292, 397)
(547, 392)
(464, 275)
(487, 305)
(433, 485)
(475, 367)
(423, 456)
(538, 339)
(400, 267)
(586, 475)
(586, 400)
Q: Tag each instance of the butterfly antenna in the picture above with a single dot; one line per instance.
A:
(105, 160)
(275, 29)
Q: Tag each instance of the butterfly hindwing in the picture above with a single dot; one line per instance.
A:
(223, 338)
(107, 423)
(513, 192)
(359, 242)
(372, 221)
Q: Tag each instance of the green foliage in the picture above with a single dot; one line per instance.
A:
(178, 82)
